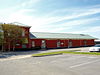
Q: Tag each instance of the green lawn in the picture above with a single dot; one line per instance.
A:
(65, 52)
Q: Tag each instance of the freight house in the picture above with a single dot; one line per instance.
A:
(53, 40)
(60, 40)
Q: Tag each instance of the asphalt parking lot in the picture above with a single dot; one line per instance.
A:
(66, 64)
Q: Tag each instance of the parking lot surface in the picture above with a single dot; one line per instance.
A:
(65, 64)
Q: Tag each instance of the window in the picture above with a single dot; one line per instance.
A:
(33, 44)
(25, 40)
(23, 33)
(8, 34)
(62, 43)
(24, 46)
(17, 44)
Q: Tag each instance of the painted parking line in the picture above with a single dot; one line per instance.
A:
(82, 64)
(70, 58)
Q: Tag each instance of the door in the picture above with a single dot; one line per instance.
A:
(24, 46)
(58, 44)
(43, 45)
(33, 44)
(85, 43)
(69, 44)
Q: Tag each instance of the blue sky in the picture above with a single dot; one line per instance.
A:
(59, 16)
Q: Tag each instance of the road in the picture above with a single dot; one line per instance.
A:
(65, 64)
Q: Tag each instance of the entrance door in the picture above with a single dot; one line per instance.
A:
(33, 44)
(85, 43)
(58, 44)
(24, 46)
(69, 44)
(43, 45)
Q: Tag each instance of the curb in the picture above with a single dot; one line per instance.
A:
(48, 55)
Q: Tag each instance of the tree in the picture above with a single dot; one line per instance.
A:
(1, 37)
(12, 33)
(0, 40)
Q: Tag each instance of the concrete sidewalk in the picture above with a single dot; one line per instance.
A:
(82, 49)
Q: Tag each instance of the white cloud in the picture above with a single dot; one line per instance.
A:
(47, 22)
(86, 13)
(53, 19)
(30, 3)
(20, 15)
(80, 22)
(70, 24)
(65, 26)
(95, 29)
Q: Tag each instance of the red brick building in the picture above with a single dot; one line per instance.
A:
(52, 40)
(60, 40)
(25, 35)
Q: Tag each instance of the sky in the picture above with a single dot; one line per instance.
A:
(57, 16)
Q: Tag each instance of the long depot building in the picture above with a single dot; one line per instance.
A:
(60, 40)
(52, 40)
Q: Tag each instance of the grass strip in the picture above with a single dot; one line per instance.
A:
(46, 54)
(65, 52)
(89, 53)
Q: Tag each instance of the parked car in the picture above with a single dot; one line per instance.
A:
(95, 48)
